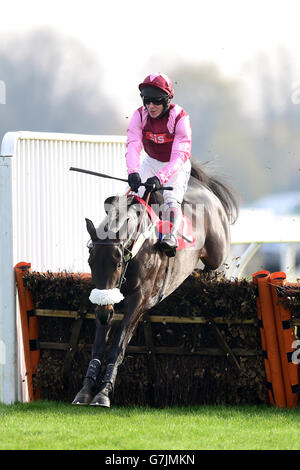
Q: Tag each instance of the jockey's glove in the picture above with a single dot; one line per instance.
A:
(153, 183)
(134, 181)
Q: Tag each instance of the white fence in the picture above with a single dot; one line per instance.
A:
(50, 202)
(257, 227)
(43, 207)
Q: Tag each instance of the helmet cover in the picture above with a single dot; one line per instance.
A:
(157, 81)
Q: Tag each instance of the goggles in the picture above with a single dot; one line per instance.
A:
(157, 101)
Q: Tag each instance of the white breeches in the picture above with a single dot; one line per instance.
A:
(179, 181)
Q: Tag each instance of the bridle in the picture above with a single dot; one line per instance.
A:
(125, 253)
(128, 254)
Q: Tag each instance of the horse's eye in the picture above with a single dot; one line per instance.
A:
(119, 265)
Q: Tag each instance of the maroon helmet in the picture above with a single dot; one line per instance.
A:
(158, 81)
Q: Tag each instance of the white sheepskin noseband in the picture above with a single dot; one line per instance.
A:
(106, 296)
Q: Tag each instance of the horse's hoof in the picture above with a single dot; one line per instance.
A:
(83, 397)
(101, 400)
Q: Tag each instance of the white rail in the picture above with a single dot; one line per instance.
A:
(50, 202)
(257, 227)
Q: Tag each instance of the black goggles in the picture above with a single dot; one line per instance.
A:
(156, 101)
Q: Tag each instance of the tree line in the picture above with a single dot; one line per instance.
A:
(46, 92)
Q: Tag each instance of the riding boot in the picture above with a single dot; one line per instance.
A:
(91, 380)
(169, 241)
(107, 385)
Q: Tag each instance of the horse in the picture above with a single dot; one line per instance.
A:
(128, 266)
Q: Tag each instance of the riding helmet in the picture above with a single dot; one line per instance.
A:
(157, 83)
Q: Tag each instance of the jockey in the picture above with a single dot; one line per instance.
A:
(163, 129)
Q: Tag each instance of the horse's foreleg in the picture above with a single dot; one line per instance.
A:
(92, 377)
(107, 385)
(116, 356)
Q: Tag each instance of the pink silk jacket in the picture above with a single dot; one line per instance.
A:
(168, 139)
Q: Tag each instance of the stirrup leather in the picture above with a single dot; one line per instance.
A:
(169, 241)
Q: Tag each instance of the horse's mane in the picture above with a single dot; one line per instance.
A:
(222, 190)
(121, 219)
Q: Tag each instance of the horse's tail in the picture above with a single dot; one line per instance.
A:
(223, 191)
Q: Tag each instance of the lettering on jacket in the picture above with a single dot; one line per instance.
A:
(158, 138)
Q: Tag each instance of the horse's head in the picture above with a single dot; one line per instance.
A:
(108, 249)
(106, 264)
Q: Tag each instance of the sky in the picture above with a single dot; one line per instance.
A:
(133, 38)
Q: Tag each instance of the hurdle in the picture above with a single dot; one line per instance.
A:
(267, 366)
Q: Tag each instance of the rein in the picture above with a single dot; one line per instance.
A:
(137, 242)
(140, 237)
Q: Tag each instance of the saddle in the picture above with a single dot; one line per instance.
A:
(186, 236)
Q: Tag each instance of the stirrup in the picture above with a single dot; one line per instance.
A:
(169, 244)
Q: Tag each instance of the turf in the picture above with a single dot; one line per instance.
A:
(55, 425)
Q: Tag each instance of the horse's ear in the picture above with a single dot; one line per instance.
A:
(91, 229)
(108, 203)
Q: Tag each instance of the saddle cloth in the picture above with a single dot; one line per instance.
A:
(186, 236)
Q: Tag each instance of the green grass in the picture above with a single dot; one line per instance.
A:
(51, 425)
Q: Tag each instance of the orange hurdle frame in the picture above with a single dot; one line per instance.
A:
(286, 339)
(277, 339)
(29, 327)
(272, 352)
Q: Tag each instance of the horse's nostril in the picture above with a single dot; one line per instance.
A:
(104, 308)
(104, 313)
